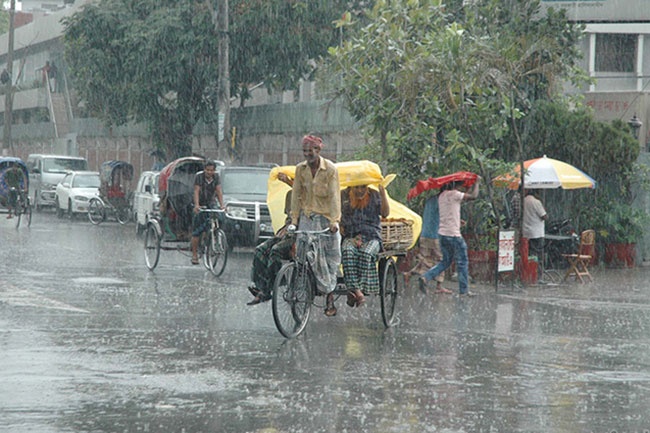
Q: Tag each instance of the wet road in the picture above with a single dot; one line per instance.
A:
(91, 341)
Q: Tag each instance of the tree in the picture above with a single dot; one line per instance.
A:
(155, 61)
(151, 61)
(446, 87)
(432, 82)
(276, 42)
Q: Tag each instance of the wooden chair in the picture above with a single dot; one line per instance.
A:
(579, 262)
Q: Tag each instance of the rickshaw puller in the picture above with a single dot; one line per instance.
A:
(206, 185)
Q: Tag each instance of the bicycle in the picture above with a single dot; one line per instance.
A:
(114, 193)
(22, 206)
(294, 289)
(213, 245)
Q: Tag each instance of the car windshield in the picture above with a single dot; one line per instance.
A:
(244, 182)
(61, 165)
(86, 181)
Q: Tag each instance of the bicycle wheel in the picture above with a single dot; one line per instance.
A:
(123, 215)
(17, 214)
(552, 276)
(28, 212)
(292, 299)
(216, 252)
(388, 290)
(95, 211)
(151, 247)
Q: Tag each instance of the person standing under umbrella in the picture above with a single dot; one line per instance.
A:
(532, 226)
(452, 243)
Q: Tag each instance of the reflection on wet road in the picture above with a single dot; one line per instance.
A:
(91, 341)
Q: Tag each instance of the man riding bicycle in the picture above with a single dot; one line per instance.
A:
(207, 185)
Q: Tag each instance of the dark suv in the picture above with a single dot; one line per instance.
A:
(248, 221)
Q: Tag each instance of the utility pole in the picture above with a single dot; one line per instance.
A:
(9, 90)
(223, 69)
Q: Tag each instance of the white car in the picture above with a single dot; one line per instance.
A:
(146, 200)
(74, 192)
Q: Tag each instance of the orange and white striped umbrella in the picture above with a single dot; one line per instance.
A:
(546, 173)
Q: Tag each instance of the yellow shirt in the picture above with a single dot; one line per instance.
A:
(319, 194)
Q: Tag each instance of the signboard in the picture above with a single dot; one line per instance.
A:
(602, 10)
(506, 251)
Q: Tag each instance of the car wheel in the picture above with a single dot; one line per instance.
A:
(59, 209)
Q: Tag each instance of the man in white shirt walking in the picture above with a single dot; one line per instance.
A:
(452, 243)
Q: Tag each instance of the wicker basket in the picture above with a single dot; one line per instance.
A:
(396, 234)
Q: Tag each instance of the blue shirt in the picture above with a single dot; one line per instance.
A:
(430, 218)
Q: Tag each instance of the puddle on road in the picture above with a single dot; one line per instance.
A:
(98, 280)
(14, 296)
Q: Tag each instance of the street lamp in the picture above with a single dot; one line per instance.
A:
(635, 124)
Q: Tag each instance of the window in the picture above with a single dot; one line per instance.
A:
(615, 52)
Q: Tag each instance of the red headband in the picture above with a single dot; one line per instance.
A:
(313, 140)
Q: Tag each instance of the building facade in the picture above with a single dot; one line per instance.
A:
(616, 48)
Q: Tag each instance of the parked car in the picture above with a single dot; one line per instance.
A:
(45, 173)
(247, 220)
(146, 200)
(74, 192)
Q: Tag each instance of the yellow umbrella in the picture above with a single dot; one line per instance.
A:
(351, 173)
(546, 173)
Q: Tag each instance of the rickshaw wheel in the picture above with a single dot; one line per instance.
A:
(292, 299)
(123, 215)
(388, 290)
(28, 212)
(95, 211)
(151, 247)
(36, 205)
(216, 252)
(17, 214)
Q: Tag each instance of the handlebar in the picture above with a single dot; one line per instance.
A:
(293, 230)
(209, 210)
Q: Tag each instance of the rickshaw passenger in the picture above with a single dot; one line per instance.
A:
(207, 185)
(268, 256)
(115, 188)
(361, 212)
(14, 179)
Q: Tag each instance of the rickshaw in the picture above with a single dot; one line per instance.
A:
(171, 228)
(114, 193)
(294, 289)
(14, 189)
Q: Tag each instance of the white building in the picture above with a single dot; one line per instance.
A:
(616, 49)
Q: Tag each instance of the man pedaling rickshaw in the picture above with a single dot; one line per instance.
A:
(207, 185)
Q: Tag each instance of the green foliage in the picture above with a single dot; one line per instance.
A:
(155, 61)
(617, 222)
(151, 61)
(608, 152)
(442, 88)
(276, 41)
(4, 21)
(475, 87)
